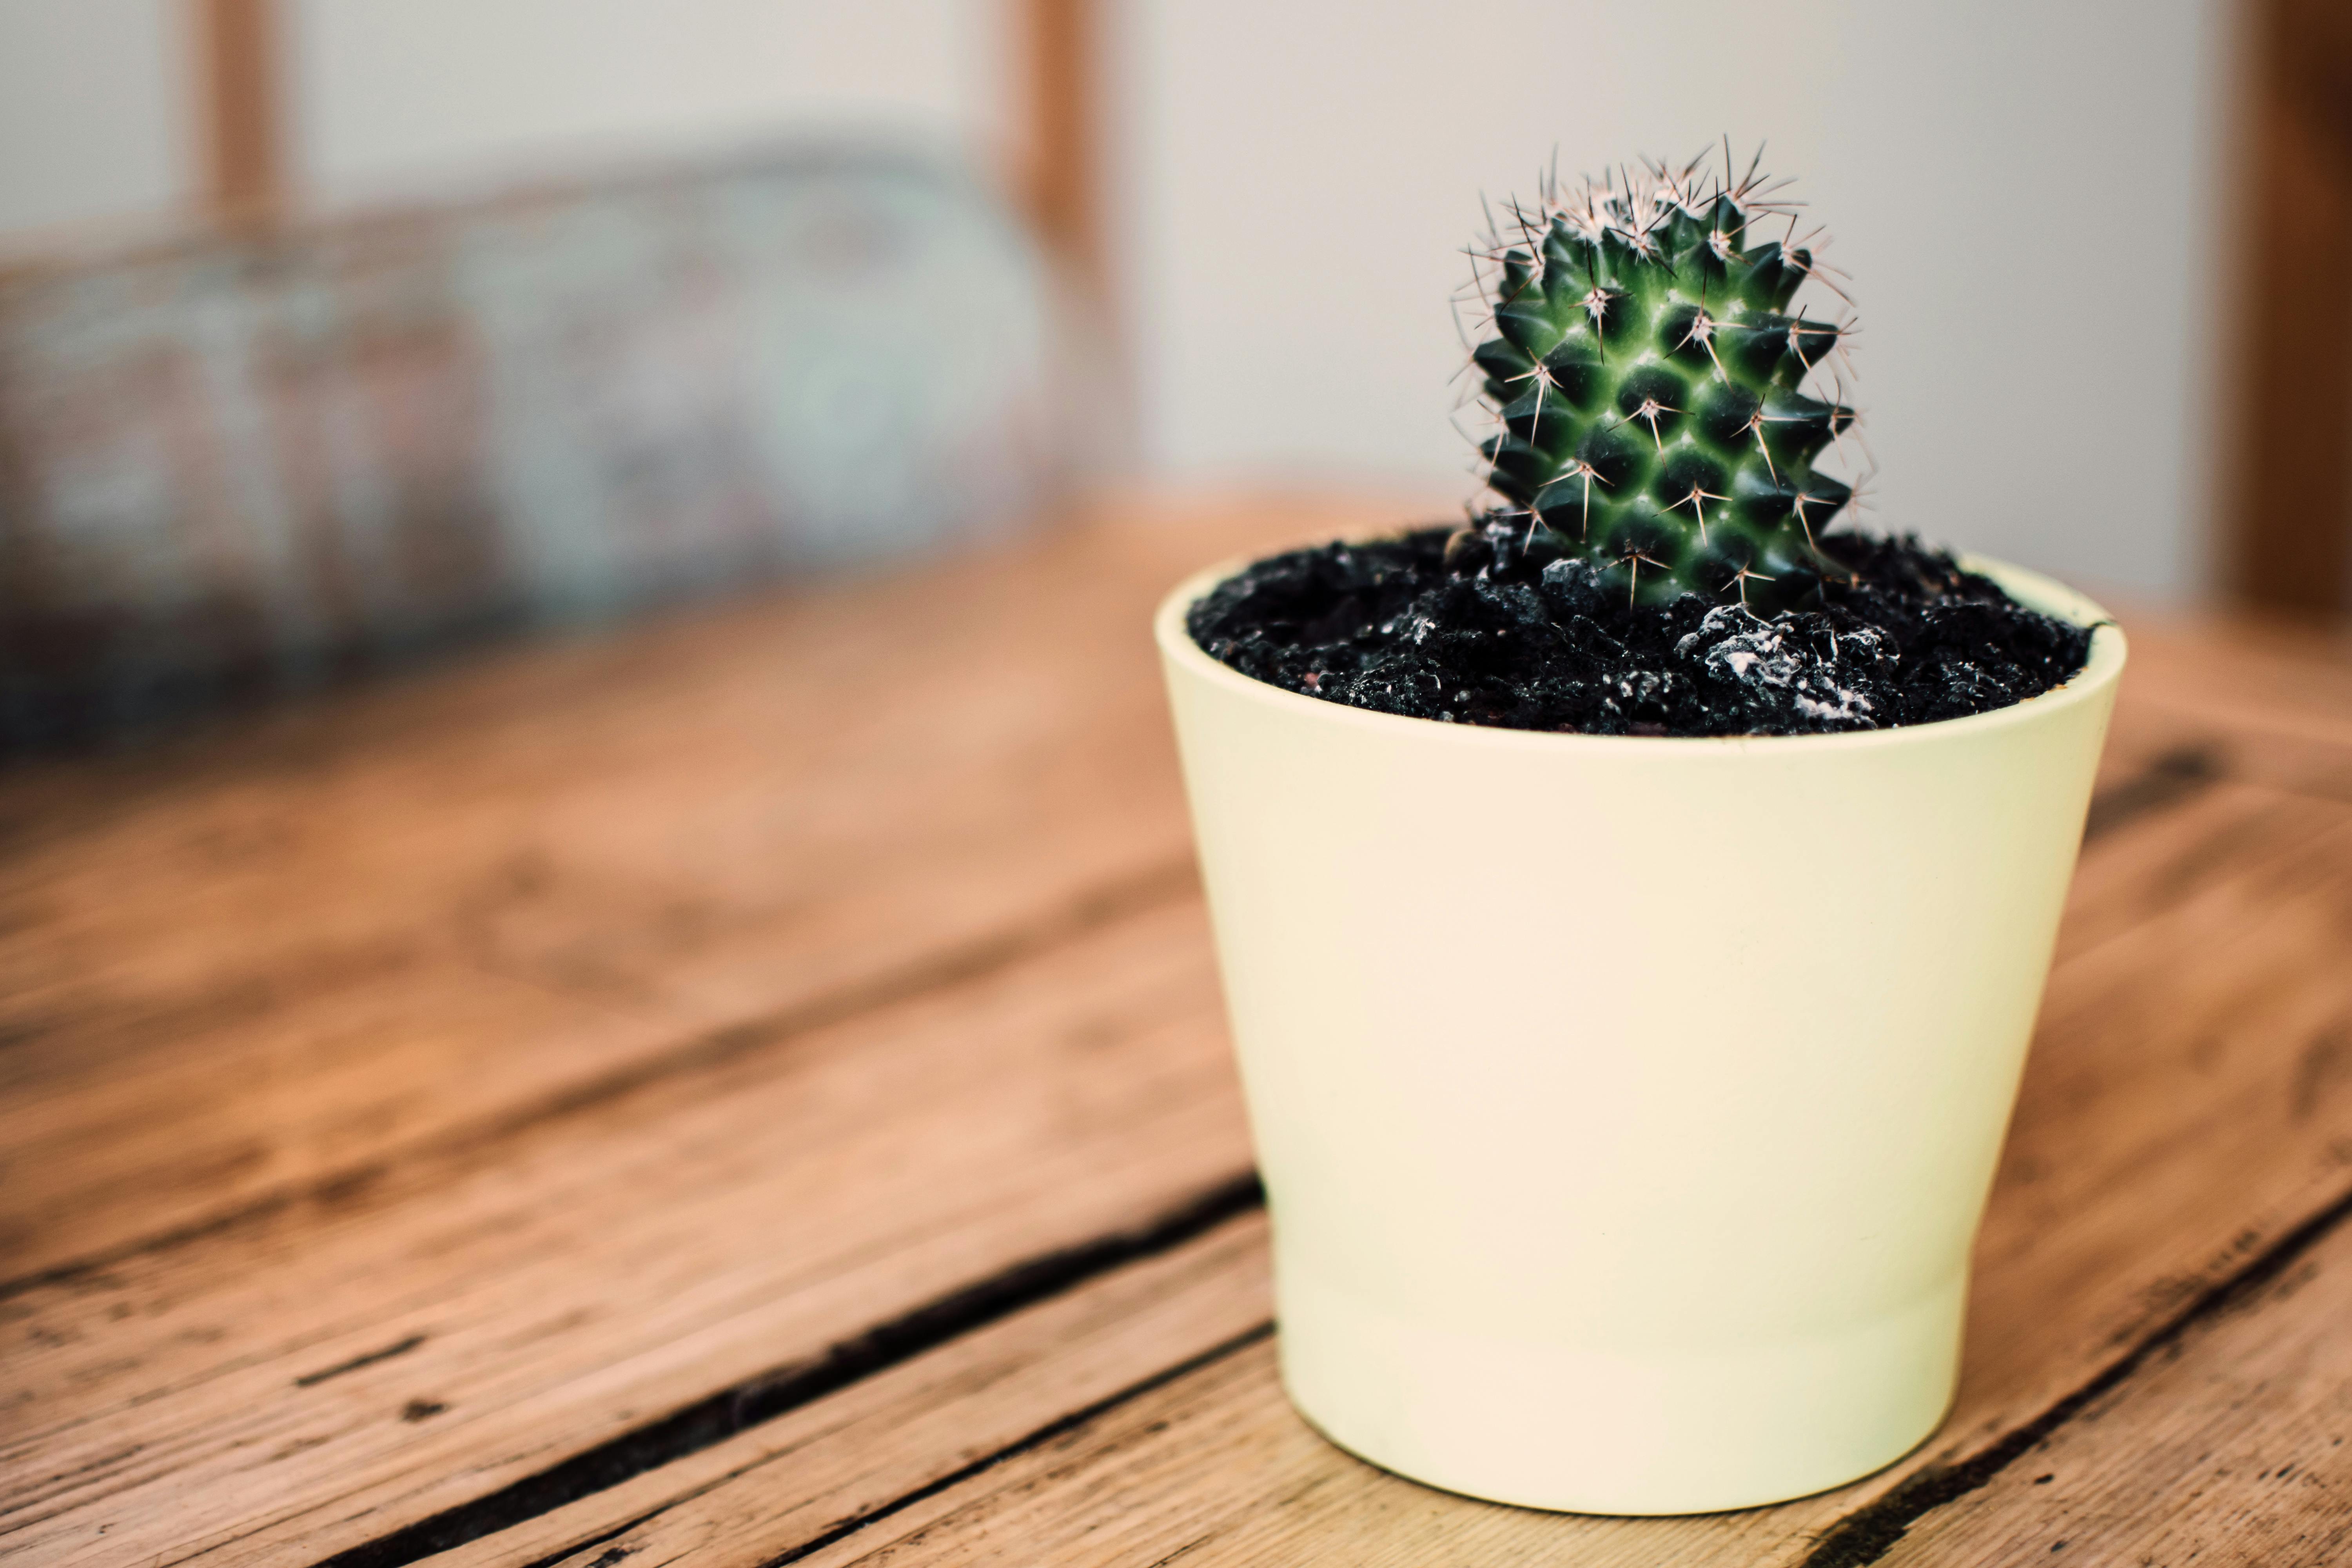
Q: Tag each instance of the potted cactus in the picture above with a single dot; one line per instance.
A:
(1633, 906)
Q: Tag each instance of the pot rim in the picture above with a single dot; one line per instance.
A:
(2100, 670)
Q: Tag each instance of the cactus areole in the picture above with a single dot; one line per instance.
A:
(1650, 378)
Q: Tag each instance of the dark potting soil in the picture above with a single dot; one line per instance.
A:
(1526, 643)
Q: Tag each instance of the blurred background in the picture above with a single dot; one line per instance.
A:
(332, 333)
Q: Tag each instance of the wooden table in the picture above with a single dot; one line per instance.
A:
(752, 1091)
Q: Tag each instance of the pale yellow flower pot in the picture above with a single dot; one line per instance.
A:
(1627, 1107)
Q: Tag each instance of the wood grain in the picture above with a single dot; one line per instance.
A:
(595, 1276)
(2290, 510)
(839, 1467)
(263, 962)
(2171, 1129)
(2231, 1449)
(421, 1098)
(2273, 703)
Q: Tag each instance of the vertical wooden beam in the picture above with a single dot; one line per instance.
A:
(242, 135)
(2290, 538)
(1061, 45)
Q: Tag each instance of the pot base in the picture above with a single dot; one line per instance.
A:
(1581, 1428)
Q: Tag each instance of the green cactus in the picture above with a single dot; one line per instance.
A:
(1647, 378)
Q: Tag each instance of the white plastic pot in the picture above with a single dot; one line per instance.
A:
(1627, 1107)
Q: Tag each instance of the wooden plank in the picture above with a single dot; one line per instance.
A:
(2290, 508)
(1014, 1387)
(244, 148)
(2163, 837)
(592, 1519)
(1063, 48)
(2271, 703)
(2229, 1448)
(287, 1390)
(270, 957)
(2174, 1135)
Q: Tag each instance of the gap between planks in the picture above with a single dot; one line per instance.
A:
(1856, 1540)
(1870, 1532)
(780, 1390)
(632, 1264)
(953, 1520)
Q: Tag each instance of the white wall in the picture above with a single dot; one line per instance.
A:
(392, 98)
(93, 106)
(99, 114)
(2023, 189)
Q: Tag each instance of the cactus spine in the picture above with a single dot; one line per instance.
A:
(1647, 378)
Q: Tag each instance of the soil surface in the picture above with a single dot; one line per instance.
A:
(1526, 642)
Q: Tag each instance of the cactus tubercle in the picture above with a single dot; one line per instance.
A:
(1649, 381)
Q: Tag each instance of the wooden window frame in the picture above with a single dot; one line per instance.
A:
(238, 44)
(2288, 518)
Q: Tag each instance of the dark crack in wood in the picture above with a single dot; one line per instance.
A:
(1867, 1534)
(1038, 1438)
(312, 1379)
(780, 1389)
(2167, 780)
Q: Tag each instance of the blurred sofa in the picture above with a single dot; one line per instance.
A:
(237, 466)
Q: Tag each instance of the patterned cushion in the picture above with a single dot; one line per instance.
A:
(235, 468)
